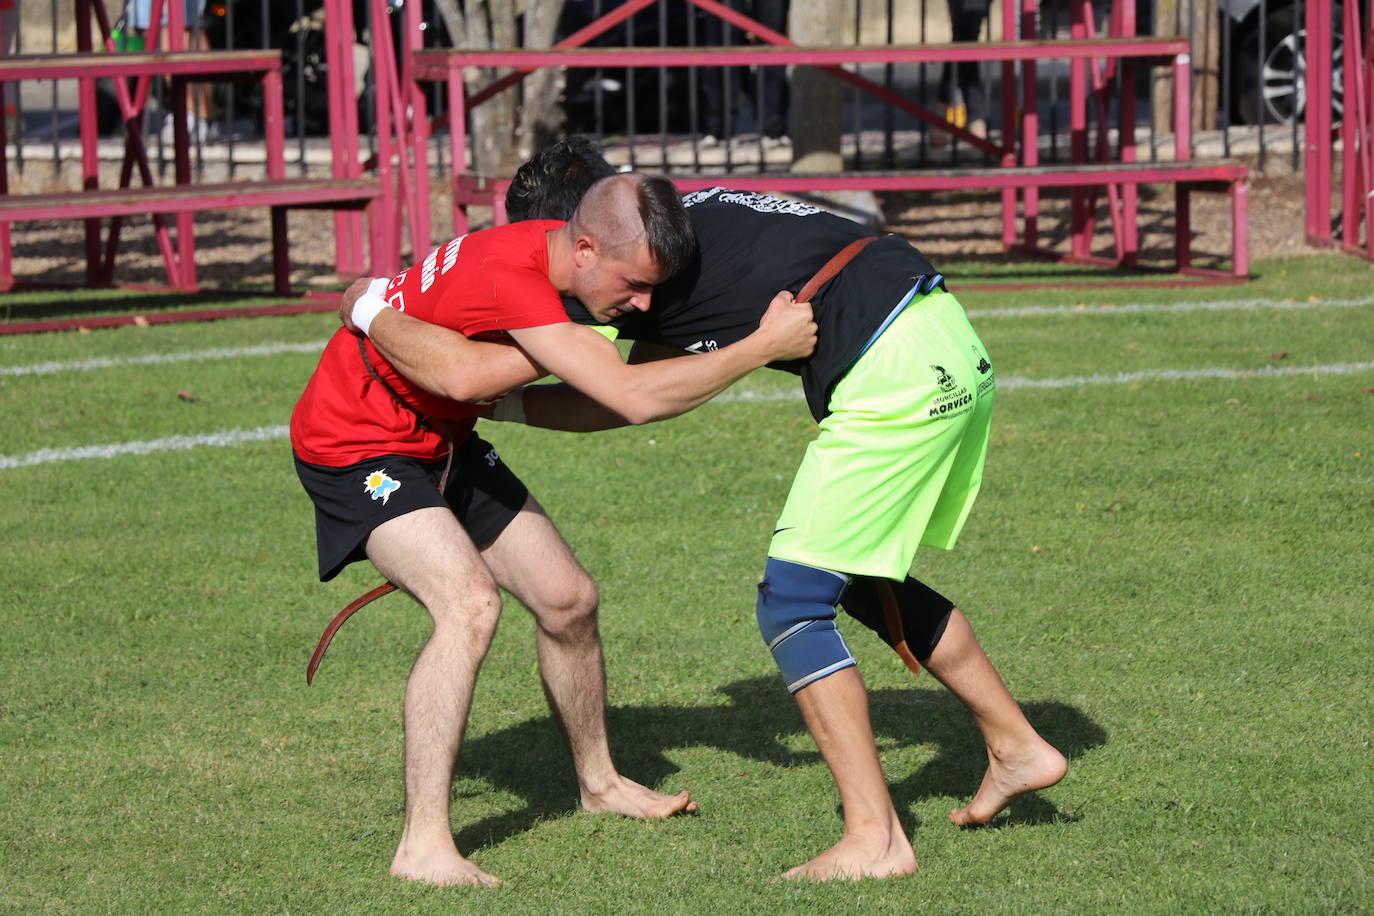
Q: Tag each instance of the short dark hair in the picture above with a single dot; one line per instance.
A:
(667, 228)
(551, 182)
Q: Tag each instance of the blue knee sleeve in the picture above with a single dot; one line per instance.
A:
(796, 611)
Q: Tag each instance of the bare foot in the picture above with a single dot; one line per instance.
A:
(438, 865)
(627, 797)
(1036, 766)
(853, 858)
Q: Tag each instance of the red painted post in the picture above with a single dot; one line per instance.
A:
(90, 154)
(1240, 229)
(389, 229)
(1352, 132)
(274, 137)
(1130, 193)
(1183, 107)
(1365, 78)
(1318, 145)
(176, 24)
(6, 263)
(339, 29)
(1008, 157)
(412, 36)
(1101, 79)
(1030, 125)
(281, 257)
(458, 143)
(274, 123)
(1081, 226)
(385, 63)
(1183, 227)
(185, 222)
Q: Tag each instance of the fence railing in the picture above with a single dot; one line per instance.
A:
(1249, 65)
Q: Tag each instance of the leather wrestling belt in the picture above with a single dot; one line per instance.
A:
(891, 613)
(357, 604)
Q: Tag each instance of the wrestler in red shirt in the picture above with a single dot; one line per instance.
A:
(453, 526)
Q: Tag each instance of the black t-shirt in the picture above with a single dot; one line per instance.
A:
(752, 246)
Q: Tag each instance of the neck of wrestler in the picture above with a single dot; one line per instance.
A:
(561, 252)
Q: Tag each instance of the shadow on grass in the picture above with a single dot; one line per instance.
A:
(50, 304)
(530, 761)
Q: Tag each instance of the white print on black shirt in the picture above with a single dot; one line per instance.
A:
(760, 203)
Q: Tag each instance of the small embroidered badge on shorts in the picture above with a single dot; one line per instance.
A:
(943, 378)
(379, 485)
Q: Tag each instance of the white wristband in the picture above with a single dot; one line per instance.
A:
(369, 304)
(511, 408)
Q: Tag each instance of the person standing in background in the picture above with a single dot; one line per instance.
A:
(961, 92)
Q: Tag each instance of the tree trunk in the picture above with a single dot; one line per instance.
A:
(492, 125)
(1206, 64)
(1172, 18)
(1162, 78)
(541, 115)
(814, 113)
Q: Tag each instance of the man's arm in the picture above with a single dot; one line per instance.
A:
(563, 407)
(665, 388)
(439, 360)
(443, 361)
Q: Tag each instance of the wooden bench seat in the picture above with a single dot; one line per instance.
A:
(94, 65)
(278, 194)
(438, 63)
(1184, 175)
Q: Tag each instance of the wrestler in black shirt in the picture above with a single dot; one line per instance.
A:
(752, 245)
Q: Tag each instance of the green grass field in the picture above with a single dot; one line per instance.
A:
(1171, 563)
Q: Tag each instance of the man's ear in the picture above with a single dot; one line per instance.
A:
(585, 253)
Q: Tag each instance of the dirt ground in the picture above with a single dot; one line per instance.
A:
(233, 247)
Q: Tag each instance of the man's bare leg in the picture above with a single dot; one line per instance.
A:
(1019, 760)
(533, 562)
(428, 554)
(874, 844)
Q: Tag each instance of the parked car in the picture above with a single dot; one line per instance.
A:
(598, 100)
(1268, 63)
(300, 38)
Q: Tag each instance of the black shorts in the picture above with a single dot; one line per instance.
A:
(923, 610)
(351, 501)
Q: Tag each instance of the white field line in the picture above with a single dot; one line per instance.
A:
(1235, 305)
(146, 447)
(1011, 383)
(1015, 382)
(190, 356)
(109, 362)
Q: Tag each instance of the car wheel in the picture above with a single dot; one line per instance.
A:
(1271, 87)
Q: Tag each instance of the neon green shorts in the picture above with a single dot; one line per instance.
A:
(899, 459)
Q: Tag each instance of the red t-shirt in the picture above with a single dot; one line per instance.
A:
(481, 284)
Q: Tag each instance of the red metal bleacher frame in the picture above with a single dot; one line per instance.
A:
(1186, 175)
(1022, 175)
(183, 199)
(1356, 131)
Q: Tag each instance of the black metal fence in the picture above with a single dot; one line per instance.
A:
(1248, 61)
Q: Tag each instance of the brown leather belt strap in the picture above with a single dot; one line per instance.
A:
(834, 266)
(892, 615)
(357, 604)
(386, 588)
(831, 267)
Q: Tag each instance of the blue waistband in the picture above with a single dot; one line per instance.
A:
(925, 285)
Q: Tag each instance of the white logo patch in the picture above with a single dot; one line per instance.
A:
(380, 485)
